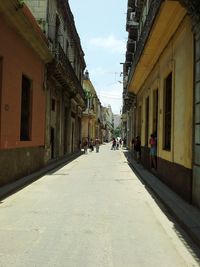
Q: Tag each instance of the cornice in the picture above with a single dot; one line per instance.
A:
(20, 18)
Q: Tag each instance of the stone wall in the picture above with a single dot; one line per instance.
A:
(17, 163)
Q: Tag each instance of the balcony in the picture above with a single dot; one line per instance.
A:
(133, 34)
(131, 45)
(131, 25)
(131, 3)
(129, 100)
(63, 71)
(129, 56)
(124, 116)
(89, 113)
(139, 8)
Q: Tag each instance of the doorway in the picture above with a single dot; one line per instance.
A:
(72, 134)
(196, 143)
(52, 142)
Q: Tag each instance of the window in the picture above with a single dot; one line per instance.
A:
(1, 78)
(1, 73)
(155, 110)
(1, 70)
(53, 104)
(147, 122)
(57, 30)
(167, 111)
(67, 47)
(25, 109)
(139, 121)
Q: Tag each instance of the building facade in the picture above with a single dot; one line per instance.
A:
(162, 74)
(117, 120)
(23, 55)
(108, 123)
(91, 121)
(64, 93)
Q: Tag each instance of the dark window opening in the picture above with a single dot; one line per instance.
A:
(139, 121)
(25, 109)
(72, 144)
(155, 111)
(1, 71)
(52, 142)
(167, 112)
(57, 30)
(53, 104)
(1, 79)
(67, 47)
(147, 122)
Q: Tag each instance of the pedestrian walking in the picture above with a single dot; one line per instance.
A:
(117, 144)
(85, 146)
(91, 145)
(137, 148)
(97, 144)
(113, 144)
(120, 142)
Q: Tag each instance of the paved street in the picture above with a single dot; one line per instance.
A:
(93, 212)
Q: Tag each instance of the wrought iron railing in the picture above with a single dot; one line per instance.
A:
(64, 60)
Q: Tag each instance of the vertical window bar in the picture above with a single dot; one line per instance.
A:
(167, 112)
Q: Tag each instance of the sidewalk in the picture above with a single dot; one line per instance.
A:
(185, 214)
(11, 188)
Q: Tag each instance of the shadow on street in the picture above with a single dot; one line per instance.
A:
(191, 246)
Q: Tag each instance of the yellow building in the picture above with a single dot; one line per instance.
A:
(161, 74)
(91, 118)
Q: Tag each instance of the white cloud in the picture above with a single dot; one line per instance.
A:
(115, 45)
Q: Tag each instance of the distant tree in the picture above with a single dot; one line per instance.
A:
(117, 131)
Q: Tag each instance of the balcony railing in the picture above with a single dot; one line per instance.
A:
(131, 25)
(71, 76)
(131, 3)
(129, 100)
(129, 56)
(131, 45)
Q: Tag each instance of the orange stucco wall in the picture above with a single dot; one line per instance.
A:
(19, 59)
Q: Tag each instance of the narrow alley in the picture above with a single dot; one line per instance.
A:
(92, 212)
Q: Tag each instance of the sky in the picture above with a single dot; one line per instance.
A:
(101, 26)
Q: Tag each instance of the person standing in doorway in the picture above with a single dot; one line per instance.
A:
(153, 151)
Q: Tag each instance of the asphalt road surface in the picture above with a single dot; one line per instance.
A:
(93, 212)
